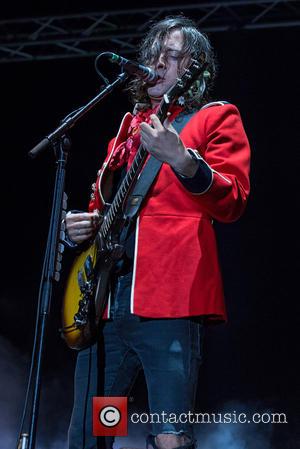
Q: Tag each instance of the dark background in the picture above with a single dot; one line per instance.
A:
(250, 363)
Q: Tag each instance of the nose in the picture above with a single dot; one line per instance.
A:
(161, 62)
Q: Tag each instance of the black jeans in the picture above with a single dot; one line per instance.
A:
(168, 350)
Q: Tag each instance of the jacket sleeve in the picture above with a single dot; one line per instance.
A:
(202, 179)
(223, 144)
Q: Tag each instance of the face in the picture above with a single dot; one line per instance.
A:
(167, 66)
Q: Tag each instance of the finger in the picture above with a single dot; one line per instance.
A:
(75, 229)
(81, 224)
(74, 217)
(95, 219)
(145, 142)
(146, 135)
(79, 237)
(85, 219)
(146, 129)
(80, 233)
(156, 122)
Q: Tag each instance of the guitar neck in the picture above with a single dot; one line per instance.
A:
(128, 182)
(125, 187)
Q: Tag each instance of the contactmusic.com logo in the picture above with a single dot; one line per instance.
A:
(110, 416)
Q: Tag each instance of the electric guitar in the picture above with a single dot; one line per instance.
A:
(87, 285)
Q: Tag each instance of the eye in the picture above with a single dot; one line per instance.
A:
(174, 55)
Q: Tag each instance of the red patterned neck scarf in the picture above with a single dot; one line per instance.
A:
(125, 152)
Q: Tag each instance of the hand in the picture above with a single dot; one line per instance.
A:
(164, 143)
(81, 227)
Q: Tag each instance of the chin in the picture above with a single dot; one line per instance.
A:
(156, 93)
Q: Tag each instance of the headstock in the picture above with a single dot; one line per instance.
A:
(190, 75)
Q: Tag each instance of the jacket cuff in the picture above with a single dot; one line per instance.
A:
(68, 242)
(202, 179)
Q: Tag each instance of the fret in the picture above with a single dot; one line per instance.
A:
(128, 180)
(108, 220)
(117, 199)
(113, 208)
(138, 157)
(112, 215)
(123, 189)
(129, 173)
(135, 166)
(105, 228)
(103, 233)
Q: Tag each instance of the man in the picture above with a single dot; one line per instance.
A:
(168, 283)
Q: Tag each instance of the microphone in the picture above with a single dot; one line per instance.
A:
(134, 68)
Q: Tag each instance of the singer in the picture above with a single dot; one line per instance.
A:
(168, 285)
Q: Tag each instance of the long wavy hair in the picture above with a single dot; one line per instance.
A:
(195, 45)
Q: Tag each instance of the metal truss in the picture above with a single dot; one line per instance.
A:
(87, 34)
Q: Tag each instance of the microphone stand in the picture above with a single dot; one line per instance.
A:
(61, 144)
(70, 121)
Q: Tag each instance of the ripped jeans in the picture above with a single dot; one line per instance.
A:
(168, 350)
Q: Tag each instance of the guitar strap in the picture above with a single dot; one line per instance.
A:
(149, 173)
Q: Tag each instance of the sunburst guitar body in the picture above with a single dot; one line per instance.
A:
(73, 305)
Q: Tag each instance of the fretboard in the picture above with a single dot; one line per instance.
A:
(129, 181)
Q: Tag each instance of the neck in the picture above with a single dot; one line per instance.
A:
(155, 101)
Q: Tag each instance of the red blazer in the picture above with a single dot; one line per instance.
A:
(176, 268)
